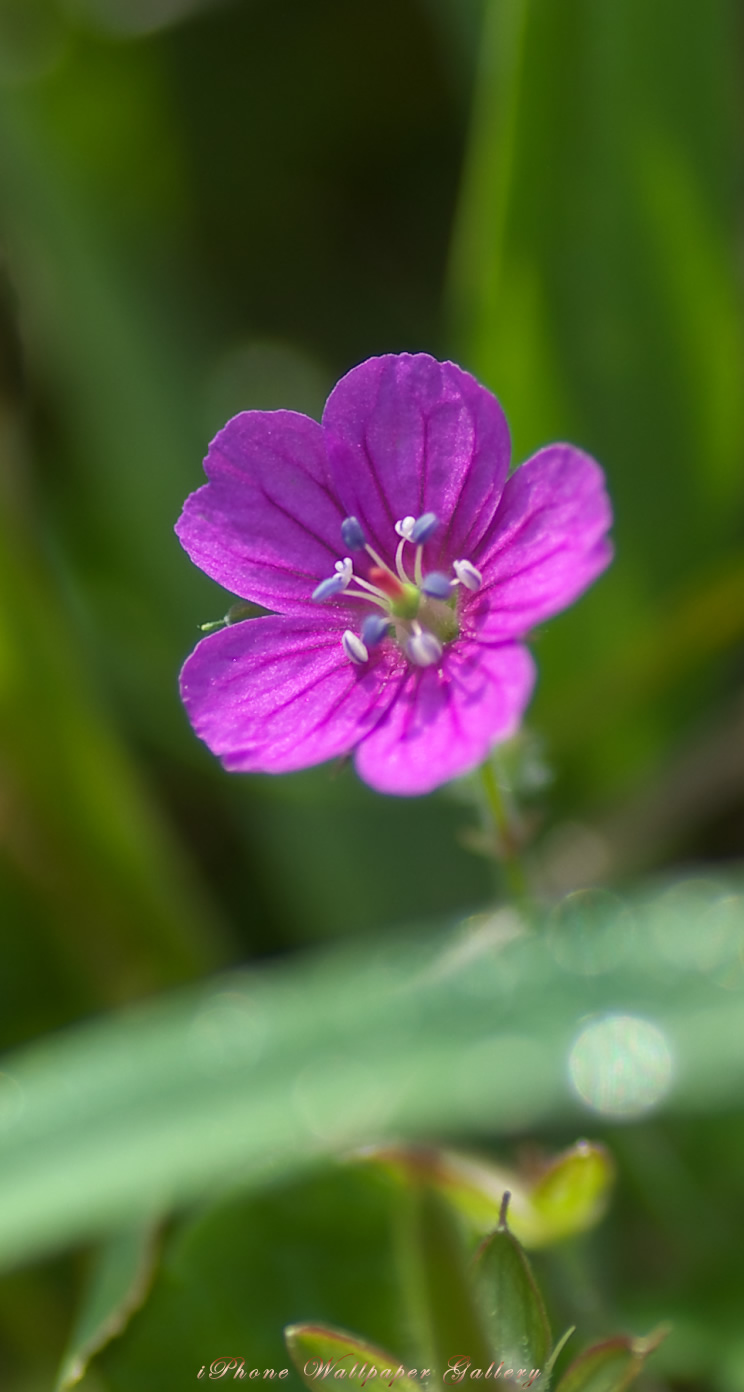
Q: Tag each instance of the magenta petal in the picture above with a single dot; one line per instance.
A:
(407, 435)
(275, 694)
(266, 526)
(546, 545)
(443, 723)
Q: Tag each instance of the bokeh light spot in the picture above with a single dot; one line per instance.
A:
(621, 1066)
(590, 931)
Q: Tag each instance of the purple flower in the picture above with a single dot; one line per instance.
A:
(405, 570)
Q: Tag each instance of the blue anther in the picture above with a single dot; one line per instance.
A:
(354, 647)
(374, 629)
(330, 587)
(352, 534)
(437, 585)
(467, 574)
(424, 527)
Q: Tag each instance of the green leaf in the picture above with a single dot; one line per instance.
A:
(610, 1366)
(511, 1302)
(320, 1352)
(572, 1193)
(118, 1285)
(569, 1196)
(316, 1250)
(471, 1184)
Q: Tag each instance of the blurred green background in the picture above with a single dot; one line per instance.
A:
(207, 207)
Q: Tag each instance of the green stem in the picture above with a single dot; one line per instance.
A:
(514, 871)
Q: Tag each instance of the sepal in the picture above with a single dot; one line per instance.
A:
(322, 1353)
(612, 1365)
(510, 1300)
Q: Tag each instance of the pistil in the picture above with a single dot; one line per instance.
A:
(399, 561)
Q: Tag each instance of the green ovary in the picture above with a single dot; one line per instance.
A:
(408, 604)
(435, 616)
(439, 616)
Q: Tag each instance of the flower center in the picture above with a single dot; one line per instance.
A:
(417, 611)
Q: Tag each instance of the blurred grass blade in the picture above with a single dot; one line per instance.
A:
(258, 1074)
(123, 907)
(118, 1285)
(125, 395)
(558, 1348)
(595, 288)
(444, 1308)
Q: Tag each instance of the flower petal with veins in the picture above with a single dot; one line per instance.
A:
(445, 722)
(275, 694)
(417, 683)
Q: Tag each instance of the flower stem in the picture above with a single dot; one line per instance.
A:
(508, 852)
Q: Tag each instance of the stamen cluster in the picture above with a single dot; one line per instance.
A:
(419, 612)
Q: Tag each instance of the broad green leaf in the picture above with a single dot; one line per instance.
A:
(610, 1366)
(118, 1285)
(261, 1072)
(319, 1250)
(511, 1302)
(321, 1353)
